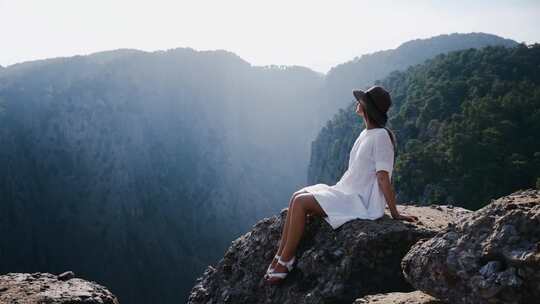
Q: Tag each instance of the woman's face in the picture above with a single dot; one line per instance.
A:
(359, 109)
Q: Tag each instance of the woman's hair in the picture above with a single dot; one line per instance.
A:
(392, 137)
(373, 121)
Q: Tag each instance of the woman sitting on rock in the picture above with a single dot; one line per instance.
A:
(362, 192)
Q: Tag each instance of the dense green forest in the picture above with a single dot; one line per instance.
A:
(467, 126)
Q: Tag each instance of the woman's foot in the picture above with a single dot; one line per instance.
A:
(272, 265)
(280, 272)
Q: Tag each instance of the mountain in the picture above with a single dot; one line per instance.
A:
(363, 71)
(145, 161)
(101, 166)
(151, 161)
(467, 126)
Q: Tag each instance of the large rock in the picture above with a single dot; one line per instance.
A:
(334, 266)
(491, 256)
(46, 288)
(414, 297)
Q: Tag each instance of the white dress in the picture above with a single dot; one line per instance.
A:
(357, 193)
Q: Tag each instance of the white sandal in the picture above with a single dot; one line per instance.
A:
(281, 275)
(270, 268)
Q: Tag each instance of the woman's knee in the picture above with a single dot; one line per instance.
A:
(295, 195)
(299, 202)
(309, 205)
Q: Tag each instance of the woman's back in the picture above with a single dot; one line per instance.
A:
(357, 193)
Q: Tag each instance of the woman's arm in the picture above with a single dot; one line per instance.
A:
(386, 187)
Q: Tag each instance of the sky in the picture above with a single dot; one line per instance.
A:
(312, 33)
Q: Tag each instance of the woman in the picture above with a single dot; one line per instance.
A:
(362, 192)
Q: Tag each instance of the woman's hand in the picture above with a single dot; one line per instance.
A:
(408, 218)
(386, 186)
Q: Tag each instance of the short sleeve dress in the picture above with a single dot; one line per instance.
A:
(357, 193)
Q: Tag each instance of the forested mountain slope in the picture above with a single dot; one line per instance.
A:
(137, 169)
(467, 126)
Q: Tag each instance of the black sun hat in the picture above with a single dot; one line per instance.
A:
(377, 101)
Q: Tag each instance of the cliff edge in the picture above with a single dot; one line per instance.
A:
(361, 257)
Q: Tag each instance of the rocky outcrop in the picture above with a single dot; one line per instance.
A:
(414, 297)
(333, 266)
(491, 256)
(46, 288)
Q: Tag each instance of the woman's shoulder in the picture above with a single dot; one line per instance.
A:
(375, 132)
(374, 135)
(379, 136)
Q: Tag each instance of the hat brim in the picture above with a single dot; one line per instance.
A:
(359, 94)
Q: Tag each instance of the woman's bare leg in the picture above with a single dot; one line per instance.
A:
(302, 205)
(287, 224)
(284, 232)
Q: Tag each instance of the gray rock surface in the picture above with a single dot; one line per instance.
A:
(491, 256)
(333, 266)
(414, 297)
(46, 288)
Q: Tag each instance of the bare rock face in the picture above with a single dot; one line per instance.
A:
(333, 266)
(490, 256)
(46, 288)
(414, 297)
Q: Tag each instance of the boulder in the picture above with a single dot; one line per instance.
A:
(490, 256)
(46, 288)
(333, 266)
(414, 297)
